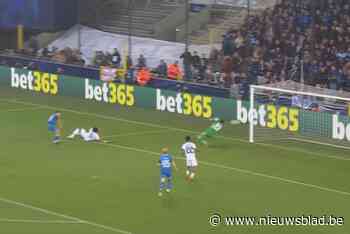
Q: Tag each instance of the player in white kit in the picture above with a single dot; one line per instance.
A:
(189, 149)
(91, 135)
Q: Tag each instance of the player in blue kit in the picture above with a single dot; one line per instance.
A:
(166, 163)
(55, 126)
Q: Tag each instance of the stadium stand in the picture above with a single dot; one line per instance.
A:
(304, 41)
(270, 47)
(115, 17)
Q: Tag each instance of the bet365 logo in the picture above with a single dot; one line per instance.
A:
(340, 130)
(110, 93)
(270, 116)
(34, 81)
(186, 104)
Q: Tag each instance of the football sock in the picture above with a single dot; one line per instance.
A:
(192, 175)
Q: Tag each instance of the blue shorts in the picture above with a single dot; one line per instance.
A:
(52, 128)
(166, 174)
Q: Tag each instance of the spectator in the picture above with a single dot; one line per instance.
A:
(45, 52)
(227, 45)
(143, 76)
(116, 58)
(141, 61)
(187, 62)
(174, 71)
(162, 69)
(196, 60)
(130, 69)
(98, 58)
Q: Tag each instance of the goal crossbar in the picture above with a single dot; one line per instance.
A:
(256, 87)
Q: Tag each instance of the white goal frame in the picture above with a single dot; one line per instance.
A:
(254, 88)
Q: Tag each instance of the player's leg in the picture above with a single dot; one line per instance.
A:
(201, 137)
(162, 185)
(57, 137)
(84, 134)
(52, 128)
(188, 172)
(188, 168)
(193, 172)
(169, 184)
(75, 133)
(191, 169)
(205, 134)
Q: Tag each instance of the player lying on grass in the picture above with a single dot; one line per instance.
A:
(189, 149)
(55, 126)
(166, 163)
(92, 135)
(211, 131)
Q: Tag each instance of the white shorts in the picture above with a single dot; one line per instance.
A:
(84, 134)
(191, 162)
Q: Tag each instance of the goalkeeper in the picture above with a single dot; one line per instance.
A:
(211, 131)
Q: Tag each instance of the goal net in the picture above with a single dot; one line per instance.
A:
(293, 111)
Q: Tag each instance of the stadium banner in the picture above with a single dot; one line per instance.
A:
(269, 116)
(295, 120)
(184, 103)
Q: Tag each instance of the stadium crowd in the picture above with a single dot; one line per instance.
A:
(306, 41)
(271, 46)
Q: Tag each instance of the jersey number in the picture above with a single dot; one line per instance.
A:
(189, 150)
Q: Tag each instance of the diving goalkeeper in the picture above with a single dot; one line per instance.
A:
(211, 131)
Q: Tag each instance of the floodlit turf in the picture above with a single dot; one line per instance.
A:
(88, 188)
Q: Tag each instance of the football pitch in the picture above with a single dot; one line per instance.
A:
(106, 188)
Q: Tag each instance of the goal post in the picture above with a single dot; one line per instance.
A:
(293, 111)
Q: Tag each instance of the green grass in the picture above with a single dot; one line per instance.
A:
(114, 187)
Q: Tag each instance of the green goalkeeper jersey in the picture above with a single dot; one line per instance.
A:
(214, 128)
(216, 125)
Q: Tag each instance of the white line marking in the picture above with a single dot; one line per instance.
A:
(135, 134)
(39, 221)
(244, 171)
(304, 151)
(49, 212)
(184, 130)
(319, 143)
(21, 109)
(291, 149)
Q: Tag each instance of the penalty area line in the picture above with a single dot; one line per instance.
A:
(240, 170)
(141, 133)
(290, 149)
(39, 221)
(21, 109)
